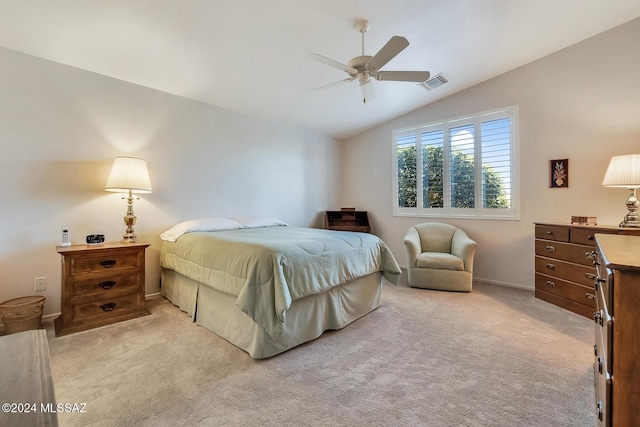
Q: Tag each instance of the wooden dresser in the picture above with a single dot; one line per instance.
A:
(101, 284)
(564, 271)
(617, 346)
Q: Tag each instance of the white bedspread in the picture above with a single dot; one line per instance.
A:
(269, 268)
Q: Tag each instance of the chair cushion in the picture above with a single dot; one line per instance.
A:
(439, 260)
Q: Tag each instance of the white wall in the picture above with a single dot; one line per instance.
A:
(60, 129)
(582, 103)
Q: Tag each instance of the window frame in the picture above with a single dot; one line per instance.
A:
(478, 212)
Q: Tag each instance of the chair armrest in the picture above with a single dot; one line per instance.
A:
(412, 246)
(463, 247)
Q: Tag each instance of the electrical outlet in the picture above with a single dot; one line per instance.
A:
(40, 284)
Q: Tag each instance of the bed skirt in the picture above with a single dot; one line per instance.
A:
(306, 319)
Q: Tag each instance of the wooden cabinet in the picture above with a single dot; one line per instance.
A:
(617, 343)
(101, 284)
(27, 384)
(347, 220)
(564, 271)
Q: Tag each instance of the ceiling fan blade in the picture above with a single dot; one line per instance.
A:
(368, 94)
(403, 76)
(339, 82)
(335, 64)
(393, 47)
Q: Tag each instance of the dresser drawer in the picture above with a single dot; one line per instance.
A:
(605, 281)
(573, 291)
(105, 262)
(572, 272)
(603, 387)
(103, 309)
(103, 286)
(583, 236)
(552, 232)
(604, 330)
(565, 251)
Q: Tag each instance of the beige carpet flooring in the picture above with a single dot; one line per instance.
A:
(494, 357)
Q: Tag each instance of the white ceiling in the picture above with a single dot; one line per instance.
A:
(253, 56)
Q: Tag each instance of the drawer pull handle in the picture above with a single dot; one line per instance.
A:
(107, 285)
(108, 263)
(551, 284)
(549, 233)
(550, 249)
(591, 255)
(589, 236)
(597, 318)
(551, 266)
(599, 365)
(595, 349)
(590, 276)
(589, 296)
(108, 307)
(599, 410)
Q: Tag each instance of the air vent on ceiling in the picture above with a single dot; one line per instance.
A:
(434, 82)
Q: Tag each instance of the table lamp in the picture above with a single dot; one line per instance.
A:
(624, 171)
(129, 174)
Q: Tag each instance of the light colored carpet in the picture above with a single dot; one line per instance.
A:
(494, 357)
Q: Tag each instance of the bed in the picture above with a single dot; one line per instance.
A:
(265, 286)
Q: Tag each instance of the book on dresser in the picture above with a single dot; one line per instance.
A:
(564, 264)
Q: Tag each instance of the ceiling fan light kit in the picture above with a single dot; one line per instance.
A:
(364, 67)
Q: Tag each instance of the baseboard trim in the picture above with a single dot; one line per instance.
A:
(492, 282)
(506, 284)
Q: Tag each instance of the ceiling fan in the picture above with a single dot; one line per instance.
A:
(364, 67)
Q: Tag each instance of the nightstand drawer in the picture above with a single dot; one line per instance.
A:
(111, 262)
(103, 309)
(102, 286)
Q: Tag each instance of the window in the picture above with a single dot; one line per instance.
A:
(467, 167)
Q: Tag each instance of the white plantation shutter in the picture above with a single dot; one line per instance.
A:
(406, 174)
(432, 169)
(496, 156)
(464, 167)
(462, 177)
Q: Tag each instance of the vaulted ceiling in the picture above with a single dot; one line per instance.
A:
(253, 56)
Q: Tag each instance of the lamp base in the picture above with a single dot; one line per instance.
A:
(129, 239)
(130, 221)
(632, 219)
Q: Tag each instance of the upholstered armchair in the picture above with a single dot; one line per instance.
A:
(439, 256)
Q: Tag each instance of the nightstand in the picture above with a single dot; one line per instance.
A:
(101, 284)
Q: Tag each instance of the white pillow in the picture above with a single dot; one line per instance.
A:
(202, 224)
(257, 222)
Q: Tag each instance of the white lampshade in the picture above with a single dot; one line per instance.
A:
(129, 173)
(623, 171)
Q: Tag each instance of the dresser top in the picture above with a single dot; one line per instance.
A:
(591, 227)
(620, 252)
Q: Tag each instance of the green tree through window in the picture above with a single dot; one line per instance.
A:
(463, 167)
(462, 195)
